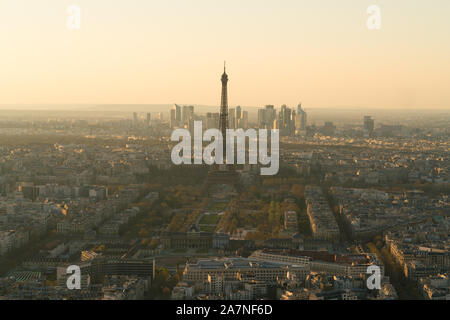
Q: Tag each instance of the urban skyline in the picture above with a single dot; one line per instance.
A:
(99, 210)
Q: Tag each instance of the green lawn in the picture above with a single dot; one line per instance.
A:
(218, 206)
(210, 219)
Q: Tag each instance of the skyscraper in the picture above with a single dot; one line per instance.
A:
(148, 119)
(231, 118)
(237, 117)
(187, 116)
(328, 128)
(369, 125)
(300, 119)
(238, 112)
(173, 118)
(245, 120)
(177, 114)
(135, 119)
(266, 117)
(261, 118)
(184, 116)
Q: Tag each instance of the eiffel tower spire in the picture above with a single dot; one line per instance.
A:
(223, 125)
(226, 174)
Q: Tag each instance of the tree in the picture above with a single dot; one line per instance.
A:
(298, 191)
(153, 244)
(143, 233)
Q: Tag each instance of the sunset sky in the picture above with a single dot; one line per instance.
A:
(318, 52)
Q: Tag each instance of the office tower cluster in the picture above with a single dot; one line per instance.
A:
(182, 116)
(287, 120)
(212, 120)
(237, 118)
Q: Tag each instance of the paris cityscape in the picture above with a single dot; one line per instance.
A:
(93, 205)
(101, 192)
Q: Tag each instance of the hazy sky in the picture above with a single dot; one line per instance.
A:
(319, 52)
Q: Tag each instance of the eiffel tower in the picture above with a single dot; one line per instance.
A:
(223, 174)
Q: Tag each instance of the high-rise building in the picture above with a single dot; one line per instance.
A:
(300, 119)
(245, 120)
(212, 120)
(148, 119)
(266, 117)
(238, 117)
(261, 118)
(328, 128)
(231, 118)
(270, 115)
(284, 115)
(135, 119)
(173, 118)
(369, 125)
(237, 112)
(187, 116)
(286, 121)
(209, 120)
(184, 115)
(177, 114)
